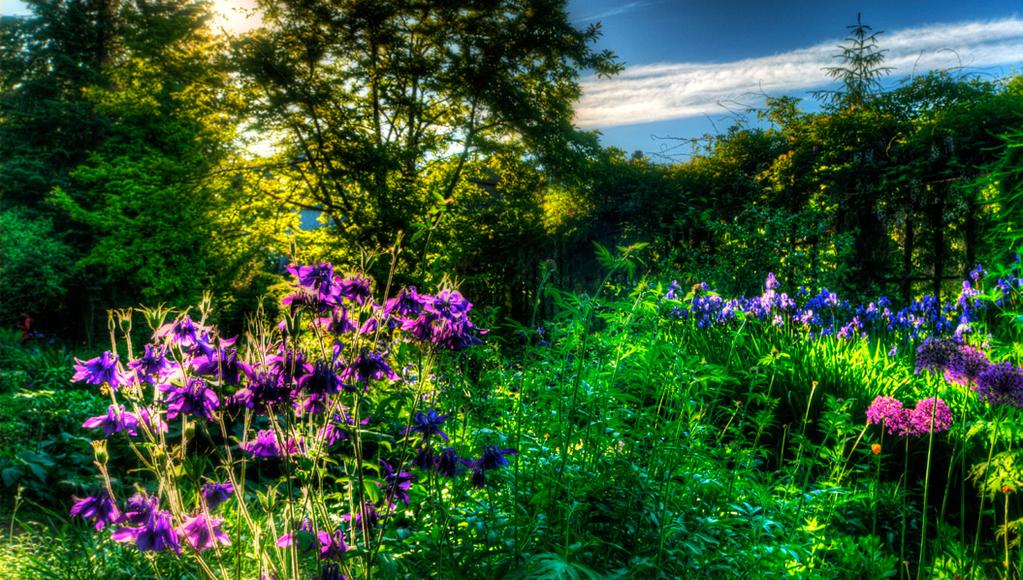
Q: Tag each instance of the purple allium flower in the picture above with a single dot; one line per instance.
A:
(115, 421)
(965, 365)
(155, 535)
(99, 370)
(888, 411)
(203, 532)
(368, 366)
(933, 355)
(398, 483)
(195, 398)
(215, 494)
(1001, 383)
(152, 366)
(428, 424)
(920, 417)
(99, 508)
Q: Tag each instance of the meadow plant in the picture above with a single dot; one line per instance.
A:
(300, 451)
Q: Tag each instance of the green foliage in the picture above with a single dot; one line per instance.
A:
(36, 265)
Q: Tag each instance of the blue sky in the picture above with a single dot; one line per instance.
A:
(694, 66)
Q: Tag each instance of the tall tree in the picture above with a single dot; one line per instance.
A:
(369, 96)
(861, 68)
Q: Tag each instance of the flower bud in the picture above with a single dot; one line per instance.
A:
(99, 449)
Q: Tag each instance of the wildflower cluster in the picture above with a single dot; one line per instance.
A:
(826, 314)
(302, 398)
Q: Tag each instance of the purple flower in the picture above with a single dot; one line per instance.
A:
(366, 514)
(407, 304)
(115, 421)
(152, 366)
(183, 332)
(195, 399)
(428, 424)
(356, 289)
(965, 365)
(265, 445)
(933, 355)
(288, 365)
(1001, 383)
(888, 411)
(264, 388)
(99, 370)
(771, 283)
(140, 508)
(368, 366)
(155, 535)
(322, 381)
(157, 425)
(215, 494)
(398, 483)
(221, 364)
(447, 463)
(332, 546)
(203, 532)
(99, 508)
(920, 418)
(491, 458)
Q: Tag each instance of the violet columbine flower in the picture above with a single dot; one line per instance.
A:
(139, 508)
(492, 457)
(195, 398)
(156, 535)
(203, 532)
(1001, 383)
(447, 463)
(288, 365)
(933, 355)
(920, 418)
(407, 304)
(319, 279)
(338, 323)
(398, 483)
(322, 381)
(428, 424)
(888, 411)
(366, 514)
(221, 364)
(215, 494)
(99, 370)
(368, 366)
(356, 289)
(332, 546)
(99, 508)
(183, 332)
(265, 445)
(152, 420)
(152, 366)
(116, 420)
(264, 388)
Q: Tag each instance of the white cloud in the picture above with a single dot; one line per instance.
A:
(659, 92)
